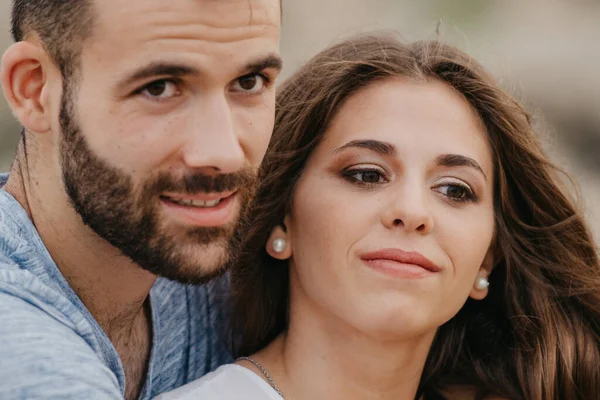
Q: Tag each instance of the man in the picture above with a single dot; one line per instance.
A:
(144, 123)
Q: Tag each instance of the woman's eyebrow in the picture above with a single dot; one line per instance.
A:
(456, 160)
(377, 146)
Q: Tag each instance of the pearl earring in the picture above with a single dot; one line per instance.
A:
(279, 245)
(482, 283)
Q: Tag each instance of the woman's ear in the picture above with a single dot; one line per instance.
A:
(481, 285)
(24, 76)
(279, 245)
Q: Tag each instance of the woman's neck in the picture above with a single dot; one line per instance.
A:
(320, 357)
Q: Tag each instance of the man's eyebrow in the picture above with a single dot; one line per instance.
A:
(383, 148)
(273, 61)
(456, 160)
(156, 69)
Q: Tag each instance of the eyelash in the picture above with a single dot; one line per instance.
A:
(266, 77)
(266, 81)
(141, 89)
(469, 196)
(348, 174)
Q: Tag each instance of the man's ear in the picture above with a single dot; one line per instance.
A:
(24, 75)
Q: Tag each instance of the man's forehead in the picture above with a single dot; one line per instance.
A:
(216, 14)
(193, 33)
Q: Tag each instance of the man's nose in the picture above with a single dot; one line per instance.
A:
(212, 142)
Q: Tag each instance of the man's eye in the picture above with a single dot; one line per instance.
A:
(253, 83)
(160, 90)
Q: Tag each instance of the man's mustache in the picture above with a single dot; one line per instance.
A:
(194, 183)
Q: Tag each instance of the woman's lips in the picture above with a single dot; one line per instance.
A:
(400, 263)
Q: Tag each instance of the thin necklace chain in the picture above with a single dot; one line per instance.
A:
(265, 373)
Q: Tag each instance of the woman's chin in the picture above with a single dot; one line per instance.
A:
(396, 325)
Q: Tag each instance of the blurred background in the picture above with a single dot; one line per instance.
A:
(545, 52)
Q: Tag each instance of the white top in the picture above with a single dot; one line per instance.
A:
(228, 382)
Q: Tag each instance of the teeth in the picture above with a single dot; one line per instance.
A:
(197, 203)
(212, 203)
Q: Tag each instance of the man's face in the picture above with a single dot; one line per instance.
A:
(164, 130)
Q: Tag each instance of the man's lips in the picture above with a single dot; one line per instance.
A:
(401, 257)
(203, 209)
(206, 200)
(198, 196)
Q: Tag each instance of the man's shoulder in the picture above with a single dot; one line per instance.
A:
(21, 248)
(30, 283)
(23, 293)
(11, 214)
(16, 253)
(16, 228)
(48, 346)
(54, 348)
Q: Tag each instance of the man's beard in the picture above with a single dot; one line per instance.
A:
(128, 217)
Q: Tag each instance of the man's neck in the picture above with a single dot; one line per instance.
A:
(319, 358)
(112, 287)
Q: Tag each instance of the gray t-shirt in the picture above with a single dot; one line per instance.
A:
(52, 348)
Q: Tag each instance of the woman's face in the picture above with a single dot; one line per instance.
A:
(392, 220)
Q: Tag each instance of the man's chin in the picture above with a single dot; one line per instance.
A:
(199, 263)
(195, 276)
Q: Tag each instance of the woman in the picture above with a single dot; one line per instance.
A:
(409, 240)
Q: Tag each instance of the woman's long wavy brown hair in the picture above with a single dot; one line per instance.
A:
(537, 334)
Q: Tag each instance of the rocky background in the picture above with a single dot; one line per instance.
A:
(546, 52)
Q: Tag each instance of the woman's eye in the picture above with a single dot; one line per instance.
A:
(456, 192)
(253, 83)
(160, 90)
(366, 176)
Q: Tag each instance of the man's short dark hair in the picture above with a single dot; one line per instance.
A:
(61, 25)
